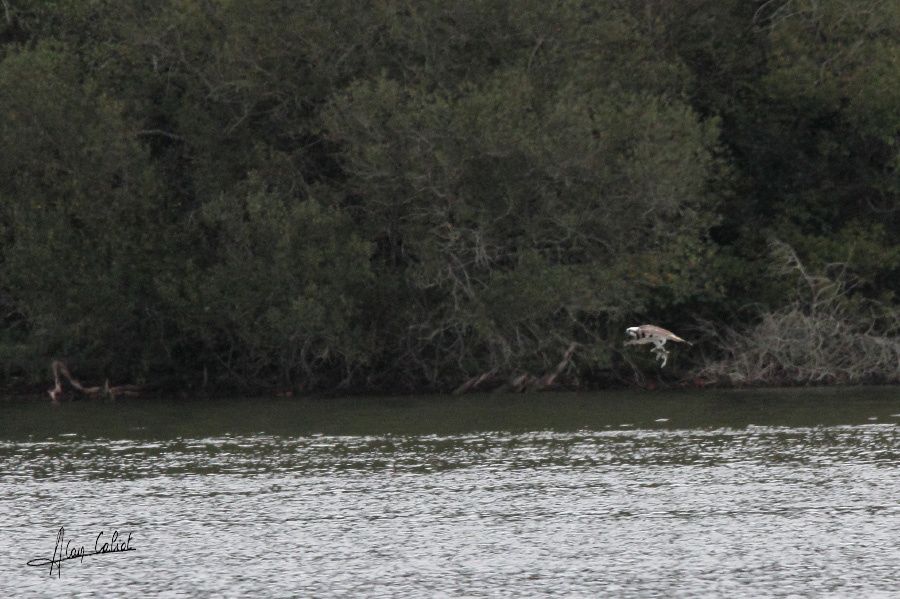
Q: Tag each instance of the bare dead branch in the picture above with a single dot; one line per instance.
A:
(825, 335)
(60, 369)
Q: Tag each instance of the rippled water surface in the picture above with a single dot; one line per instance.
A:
(754, 493)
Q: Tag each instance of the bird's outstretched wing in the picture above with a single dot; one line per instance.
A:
(653, 332)
(650, 333)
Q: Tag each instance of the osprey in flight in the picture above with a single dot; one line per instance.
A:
(648, 333)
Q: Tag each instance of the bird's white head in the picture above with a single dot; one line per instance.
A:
(631, 332)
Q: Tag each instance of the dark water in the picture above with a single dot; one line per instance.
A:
(764, 493)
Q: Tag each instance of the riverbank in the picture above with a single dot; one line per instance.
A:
(225, 393)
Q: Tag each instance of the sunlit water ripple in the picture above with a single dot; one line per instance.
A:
(751, 511)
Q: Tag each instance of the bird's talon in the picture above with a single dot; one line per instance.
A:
(658, 336)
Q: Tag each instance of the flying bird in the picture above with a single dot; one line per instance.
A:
(649, 333)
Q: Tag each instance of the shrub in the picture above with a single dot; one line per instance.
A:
(826, 335)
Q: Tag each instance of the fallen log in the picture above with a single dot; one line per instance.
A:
(473, 382)
(528, 382)
(549, 378)
(60, 369)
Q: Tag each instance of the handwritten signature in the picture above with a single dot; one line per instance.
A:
(61, 552)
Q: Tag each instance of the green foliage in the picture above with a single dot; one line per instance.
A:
(511, 203)
(280, 298)
(408, 194)
(84, 224)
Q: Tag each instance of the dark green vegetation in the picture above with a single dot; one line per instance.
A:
(403, 195)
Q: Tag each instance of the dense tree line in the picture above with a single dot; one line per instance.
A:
(405, 194)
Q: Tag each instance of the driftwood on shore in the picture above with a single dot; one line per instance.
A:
(61, 371)
(522, 381)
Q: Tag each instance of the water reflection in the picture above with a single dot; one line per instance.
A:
(730, 495)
